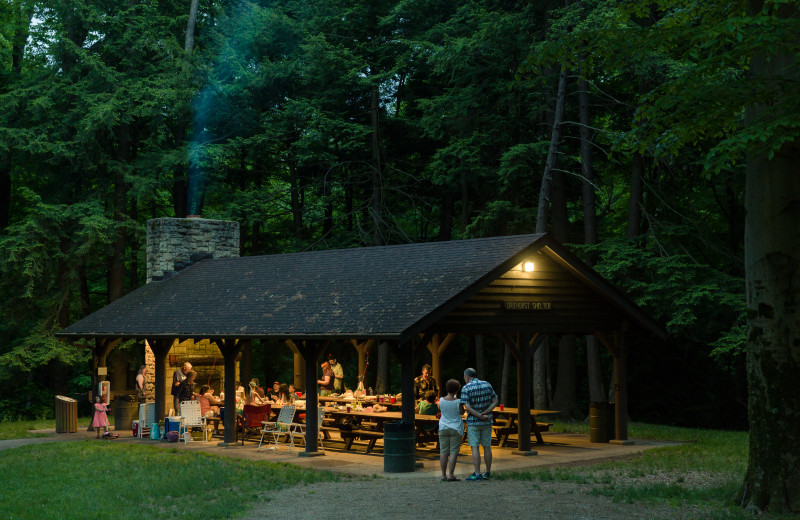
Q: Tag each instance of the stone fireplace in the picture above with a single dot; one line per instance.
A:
(174, 244)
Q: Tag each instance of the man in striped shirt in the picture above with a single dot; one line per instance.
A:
(479, 399)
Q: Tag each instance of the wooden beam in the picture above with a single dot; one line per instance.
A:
(601, 336)
(363, 348)
(512, 346)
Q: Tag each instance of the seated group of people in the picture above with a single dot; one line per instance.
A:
(281, 393)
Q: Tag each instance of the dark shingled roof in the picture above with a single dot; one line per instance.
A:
(386, 292)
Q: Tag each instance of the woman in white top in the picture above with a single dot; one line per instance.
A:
(451, 430)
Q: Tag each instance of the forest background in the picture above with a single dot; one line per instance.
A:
(618, 127)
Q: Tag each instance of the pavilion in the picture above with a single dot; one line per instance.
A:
(519, 288)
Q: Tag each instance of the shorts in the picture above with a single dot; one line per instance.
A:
(479, 435)
(449, 441)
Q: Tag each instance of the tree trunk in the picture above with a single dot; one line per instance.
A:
(772, 257)
(464, 202)
(116, 271)
(505, 372)
(297, 207)
(188, 46)
(480, 365)
(636, 197)
(565, 398)
(446, 216)
(377, 237)
(22, 23)
(552, 153)
(597, 391)
(541, 397)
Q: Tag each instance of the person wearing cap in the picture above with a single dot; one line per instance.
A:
(275, 392)
(338, 374)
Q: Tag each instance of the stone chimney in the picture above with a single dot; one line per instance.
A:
(174, 244)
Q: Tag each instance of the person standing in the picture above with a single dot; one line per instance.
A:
(186, 389)
(451, 429)
(425, 383)
(479, 399)
(177, 379)
(326, 383)
(338, 374)
(140, 383)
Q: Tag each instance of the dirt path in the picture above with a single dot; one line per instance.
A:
(390, 499)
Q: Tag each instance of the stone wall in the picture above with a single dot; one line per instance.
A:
(172, 245)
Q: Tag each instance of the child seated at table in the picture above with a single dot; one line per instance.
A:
(427, 406)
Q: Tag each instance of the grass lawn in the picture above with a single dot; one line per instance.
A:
(19, 429)
(91, 479)
(705, 473)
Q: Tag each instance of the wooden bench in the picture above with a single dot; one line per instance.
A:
(427, 436)
(503, 432)
(350, 435)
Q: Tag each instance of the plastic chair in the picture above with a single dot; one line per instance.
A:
(283, 425)
(192, 418)
(250, 421)
(299, 430)
(147, 416)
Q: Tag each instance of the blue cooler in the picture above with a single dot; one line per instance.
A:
(172, 424)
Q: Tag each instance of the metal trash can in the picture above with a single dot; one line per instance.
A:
(125, 411)
(66, 412)
(601, 422)
(398, 447)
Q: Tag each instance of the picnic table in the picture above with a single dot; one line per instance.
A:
(357, 430)
(511, 415)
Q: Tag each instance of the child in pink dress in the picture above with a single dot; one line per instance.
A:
(100, 417)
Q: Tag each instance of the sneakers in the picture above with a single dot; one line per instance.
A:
(487, 475)
(475, 476)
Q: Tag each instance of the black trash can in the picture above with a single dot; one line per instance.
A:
(398, 447)
(66, 413)
(126, 410)
(601, 422)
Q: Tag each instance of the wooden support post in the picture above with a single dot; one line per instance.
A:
(526, 349)
(230, 349)
(312, 352)
(160, 348)
(405, 352)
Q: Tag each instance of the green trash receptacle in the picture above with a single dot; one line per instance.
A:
(600, 418)
(398, 447)
(125, 411)
(66, 412)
